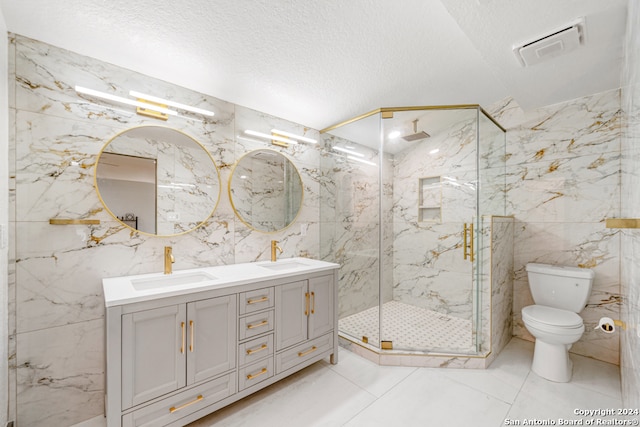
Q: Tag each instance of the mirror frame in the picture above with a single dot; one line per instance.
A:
(233, 206)
(95, 180)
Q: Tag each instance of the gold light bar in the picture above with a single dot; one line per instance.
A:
(622, 223)
(294, 136)
(135, 103)
(171, 103)
(273, 138)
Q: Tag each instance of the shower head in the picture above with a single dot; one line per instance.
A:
(415, 136)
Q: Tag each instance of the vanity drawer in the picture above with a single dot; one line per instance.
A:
(175, 407)
(303, 352)
(255, 324)
(257, 300)
(255, 349)
(255, 373)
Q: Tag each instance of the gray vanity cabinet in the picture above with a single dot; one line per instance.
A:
(152, 361)
(174, 359)
(166, 348)
(304, 320)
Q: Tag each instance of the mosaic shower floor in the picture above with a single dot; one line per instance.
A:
(410, 328)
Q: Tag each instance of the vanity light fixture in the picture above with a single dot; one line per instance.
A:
(159, 110)
(144, 97)
(294, 136)
(275, 139)
(147, 105)
(352, 152)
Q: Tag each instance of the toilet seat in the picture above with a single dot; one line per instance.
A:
(551, 319)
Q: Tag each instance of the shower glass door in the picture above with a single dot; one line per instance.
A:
(429, 210)
(350, 225)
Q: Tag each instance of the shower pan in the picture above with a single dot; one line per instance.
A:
(407, 206)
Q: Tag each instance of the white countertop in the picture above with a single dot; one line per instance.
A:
(147, 287)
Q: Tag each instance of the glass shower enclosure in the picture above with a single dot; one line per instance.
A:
(403, 198)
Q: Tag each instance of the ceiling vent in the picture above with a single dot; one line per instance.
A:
(559, 42)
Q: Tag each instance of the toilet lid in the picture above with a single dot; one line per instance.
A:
(551, 316)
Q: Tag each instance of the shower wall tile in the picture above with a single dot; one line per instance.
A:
(55, 271)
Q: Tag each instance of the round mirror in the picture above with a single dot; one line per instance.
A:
(266, 190)
(157, 180)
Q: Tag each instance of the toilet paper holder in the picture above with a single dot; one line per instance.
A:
(608, 325)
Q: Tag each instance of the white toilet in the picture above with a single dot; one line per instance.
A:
(559, 293)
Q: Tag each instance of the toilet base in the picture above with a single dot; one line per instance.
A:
(552, 362)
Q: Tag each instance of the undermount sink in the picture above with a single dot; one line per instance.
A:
(283, 265)
(171, 280)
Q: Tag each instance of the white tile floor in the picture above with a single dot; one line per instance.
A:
(357, 392)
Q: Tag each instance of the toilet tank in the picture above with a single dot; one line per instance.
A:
(567, 288)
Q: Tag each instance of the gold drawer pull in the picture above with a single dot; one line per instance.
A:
(256, 350)
(252, 376)
(256, 301)
(174, 409)
(263, 323)
(304, 353)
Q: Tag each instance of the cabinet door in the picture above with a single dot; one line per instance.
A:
(153, 353)
(211, 340)
(292, 307)
(321, 301)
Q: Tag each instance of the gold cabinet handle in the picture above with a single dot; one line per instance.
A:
(313, 302)
(464, 242)
(256, 350)
(471, 236)
(256, 301)
(252, 376)
(257, 325)
(306, 303)
(304, 353)
(192, 327)
(182, 346)
(174, 409)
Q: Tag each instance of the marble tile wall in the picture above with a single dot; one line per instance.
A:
(55, 292)
(501, 303)
(630, 247)
(562, 181)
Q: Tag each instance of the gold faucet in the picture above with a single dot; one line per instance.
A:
(168, 259)
(274, 248)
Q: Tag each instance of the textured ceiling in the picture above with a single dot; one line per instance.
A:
(321, 62)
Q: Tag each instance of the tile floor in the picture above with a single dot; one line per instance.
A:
(356, 392)
(411, 328)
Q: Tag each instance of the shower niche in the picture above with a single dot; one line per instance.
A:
(407, 184)
(429, 199)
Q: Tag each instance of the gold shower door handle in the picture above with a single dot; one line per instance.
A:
(468, 242)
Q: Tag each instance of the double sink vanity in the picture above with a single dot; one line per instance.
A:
(183, 345)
